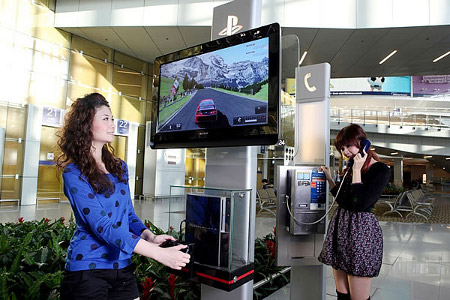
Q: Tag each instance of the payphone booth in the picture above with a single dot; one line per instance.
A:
(302, 190)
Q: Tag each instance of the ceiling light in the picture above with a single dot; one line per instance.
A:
(447, 158)
(387, 57)
(427, 156)
(441, 57)
(303, 57)
(394, 153)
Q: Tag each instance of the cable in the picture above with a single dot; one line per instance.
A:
(334, 199)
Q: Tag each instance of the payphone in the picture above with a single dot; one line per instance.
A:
(305, 200)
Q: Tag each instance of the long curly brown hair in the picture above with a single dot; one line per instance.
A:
(75, 142)
(353, 135)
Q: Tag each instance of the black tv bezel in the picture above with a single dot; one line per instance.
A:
(250, 135)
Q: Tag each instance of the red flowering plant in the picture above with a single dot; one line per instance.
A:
(147, 286)
(265, 265)
(172, 279)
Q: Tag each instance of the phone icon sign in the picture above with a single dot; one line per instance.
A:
(310, 88)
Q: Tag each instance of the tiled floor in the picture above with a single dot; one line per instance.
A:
(416, 262)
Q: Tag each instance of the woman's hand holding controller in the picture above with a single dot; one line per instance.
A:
(173, 257)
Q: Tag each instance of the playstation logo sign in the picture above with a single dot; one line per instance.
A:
(232, 26)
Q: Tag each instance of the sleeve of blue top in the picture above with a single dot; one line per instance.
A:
(136, 225)
(93, 214)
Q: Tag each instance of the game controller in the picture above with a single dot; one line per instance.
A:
(172, 243)
(187, 271)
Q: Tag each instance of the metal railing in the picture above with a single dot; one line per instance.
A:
(391, 117)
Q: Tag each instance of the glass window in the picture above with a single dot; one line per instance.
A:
(76, 90)
(8, 13)
(148, 110)
(90, 48)
(128, 108)
(120, 146)
(12, 159)
(89, 72)
(195, 167)
(47, 90)
(130, 83)
(140, 161)
(16, 119)
(10, 188)
(131, 63)
(49, 183)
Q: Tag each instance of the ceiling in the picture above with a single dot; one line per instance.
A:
(351, 52)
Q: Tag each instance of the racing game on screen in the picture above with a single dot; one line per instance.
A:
(219, 89)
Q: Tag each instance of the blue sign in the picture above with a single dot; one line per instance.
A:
(51, 116)
(122, 127)
(318, 190)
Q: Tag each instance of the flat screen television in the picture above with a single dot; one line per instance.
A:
(221, 93)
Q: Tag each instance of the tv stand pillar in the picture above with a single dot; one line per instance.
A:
(234, 168)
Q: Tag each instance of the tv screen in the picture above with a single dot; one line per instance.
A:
(222, 93)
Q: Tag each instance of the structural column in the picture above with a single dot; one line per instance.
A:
(429, 173)
(398, 171)
(32, 146)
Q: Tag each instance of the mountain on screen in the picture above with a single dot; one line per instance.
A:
(211, 70)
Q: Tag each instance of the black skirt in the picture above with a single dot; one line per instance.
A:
(354, 243)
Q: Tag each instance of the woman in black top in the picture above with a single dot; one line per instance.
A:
(354, 242)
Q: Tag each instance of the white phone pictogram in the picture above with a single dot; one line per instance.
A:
(310, 88)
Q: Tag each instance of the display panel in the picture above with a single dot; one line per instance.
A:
(221, 93)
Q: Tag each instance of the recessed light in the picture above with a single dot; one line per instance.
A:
(303, 57)
(387, 57)
(394, 153)
(441, 57)
(427, 156)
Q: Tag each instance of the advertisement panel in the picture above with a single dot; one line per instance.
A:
(371, 86)
(431, 85)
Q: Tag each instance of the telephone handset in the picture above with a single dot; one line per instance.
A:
(365, 144)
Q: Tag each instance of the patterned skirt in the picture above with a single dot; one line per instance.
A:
(354, 243)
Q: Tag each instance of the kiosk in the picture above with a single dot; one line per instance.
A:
(223, 95)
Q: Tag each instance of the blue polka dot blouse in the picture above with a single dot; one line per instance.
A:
(107, 227)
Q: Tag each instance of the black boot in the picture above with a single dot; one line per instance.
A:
(342, 296)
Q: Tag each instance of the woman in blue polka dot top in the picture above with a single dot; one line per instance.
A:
(98, 264)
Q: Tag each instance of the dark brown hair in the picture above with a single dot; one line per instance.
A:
(353, 135)
(75, 141)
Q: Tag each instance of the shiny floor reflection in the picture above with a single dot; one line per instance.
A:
(416, 263)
